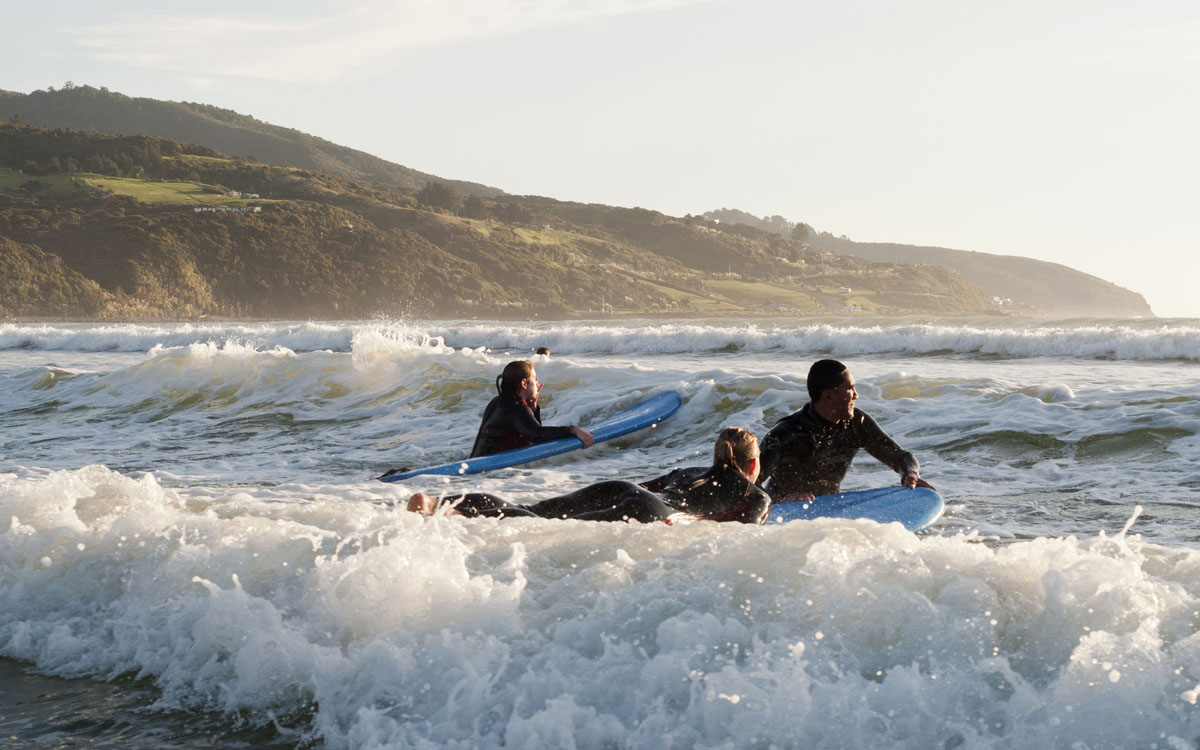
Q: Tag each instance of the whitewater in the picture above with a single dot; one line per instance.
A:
(194, 552)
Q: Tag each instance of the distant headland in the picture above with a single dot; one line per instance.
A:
(137, 209)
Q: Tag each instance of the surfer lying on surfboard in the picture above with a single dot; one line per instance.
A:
(809, 452)
(724, 491)
(513, 419)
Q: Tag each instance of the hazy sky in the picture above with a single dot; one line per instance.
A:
(1065, 131)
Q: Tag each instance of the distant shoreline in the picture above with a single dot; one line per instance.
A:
(33, 320)
(526, 319)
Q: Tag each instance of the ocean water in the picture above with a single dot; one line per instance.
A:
(193, 552)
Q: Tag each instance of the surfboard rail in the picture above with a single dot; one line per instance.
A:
(915, 509)
(640, 416)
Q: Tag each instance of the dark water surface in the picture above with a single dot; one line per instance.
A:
(39, 712)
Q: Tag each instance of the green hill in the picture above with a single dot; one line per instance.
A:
(91, 109)
(1021, 285)
(102, 226)
(1033, 286)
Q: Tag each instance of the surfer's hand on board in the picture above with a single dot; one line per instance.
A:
(913, 479)
(797, 497)
(584, 435)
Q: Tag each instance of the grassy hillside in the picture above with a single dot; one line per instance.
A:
(142, 227)
(1024, 285)
(709, 247)
(104, 111)
(1033, 286)
(33, 282)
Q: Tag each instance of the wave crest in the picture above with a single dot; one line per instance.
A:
(1100, 340)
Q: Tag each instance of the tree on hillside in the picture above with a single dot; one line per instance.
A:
(98, 164)
(438, 195)
(776, 224)
(474, 208)
(802, 232)
(514, 213)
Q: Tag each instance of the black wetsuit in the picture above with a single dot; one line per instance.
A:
(805, 453)
(510, 423)
(701, 493)
(713, 493)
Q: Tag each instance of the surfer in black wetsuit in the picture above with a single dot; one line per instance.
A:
(809, 452)
(513, 419)
(724, 491)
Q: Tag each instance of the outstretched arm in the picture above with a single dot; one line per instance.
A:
(584, 435)
(880, 445)
(532, 429)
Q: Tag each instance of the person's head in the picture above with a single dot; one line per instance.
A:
(518, 380)
(543, 350)
(823, 375)
(737, 447)
(831, 388)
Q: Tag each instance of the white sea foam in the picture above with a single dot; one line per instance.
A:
(232, 551)
(1104, 340)
(330, 610)
(243, 412)
(141, 337)
(1123, 340)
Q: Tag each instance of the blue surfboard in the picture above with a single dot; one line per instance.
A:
(916, 509)
(646, 414)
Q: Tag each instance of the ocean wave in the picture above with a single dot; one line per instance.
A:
(1105, 340)
(1133, 341)
(402, 397)
(142, 337)
(331, 613)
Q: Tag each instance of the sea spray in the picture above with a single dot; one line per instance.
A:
(364, 625)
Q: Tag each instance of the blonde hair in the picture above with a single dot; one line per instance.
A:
(736, 447)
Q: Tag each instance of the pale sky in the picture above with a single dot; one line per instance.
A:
(1058, 130)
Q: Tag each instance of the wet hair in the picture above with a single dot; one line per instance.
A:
(823, 375)
(736, 447)
(543, 350)
(508, 383)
